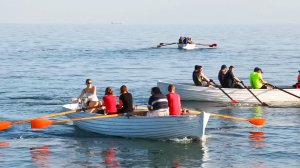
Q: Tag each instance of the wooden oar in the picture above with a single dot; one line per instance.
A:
(284, 90)
(7, 124)
(232, 100)
(40, 123)
(262, 103)
(255, 121)
(164, 44)
(210, 45)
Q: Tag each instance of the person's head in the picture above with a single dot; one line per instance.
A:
(231, 68)
(88, 81)
(109, 91)
(200, 68)
(258, 70)
(155, 90)
(196, 67)
(223, 67)
(299, 72)
(123, 89)
(171, 88)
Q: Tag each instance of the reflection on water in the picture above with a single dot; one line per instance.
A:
(257, 111)
(257, 139)
(110, 158)
(4, 144)
(40, 156)
(121, 152)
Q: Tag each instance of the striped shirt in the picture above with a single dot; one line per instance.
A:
(158, 101)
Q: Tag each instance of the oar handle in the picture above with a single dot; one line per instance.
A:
(47, 116)
(229, 117)
(284, 90)
(222, 90)
(87, 118)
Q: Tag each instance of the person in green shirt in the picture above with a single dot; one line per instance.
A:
(256, 79)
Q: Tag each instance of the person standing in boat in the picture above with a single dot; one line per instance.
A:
(256, 79)
(174, 102)
(125, 101)
(297, 85)
(158, 103)
(199, 78)
(230, 80)
(221, 75)
(110, 101)
(90, 93)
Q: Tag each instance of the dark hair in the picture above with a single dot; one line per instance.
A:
(123, 89)
(223, 67)
(196, 67)
(256, 69)
(109, 91)
(171, 87)
(87, 81)
(156, 90)
(231, 67)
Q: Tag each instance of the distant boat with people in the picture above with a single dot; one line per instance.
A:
(186, 43)
(188, 91)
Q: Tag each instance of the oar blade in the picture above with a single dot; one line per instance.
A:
(5, 125)
(40, 123)
(258, 121)
(234, 101)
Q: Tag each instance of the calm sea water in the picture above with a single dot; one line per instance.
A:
(42, 66)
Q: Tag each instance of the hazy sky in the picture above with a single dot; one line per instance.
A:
(150, 11)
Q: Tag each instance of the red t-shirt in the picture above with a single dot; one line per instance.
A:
(174, 104)
(110, 101)
(299, 78)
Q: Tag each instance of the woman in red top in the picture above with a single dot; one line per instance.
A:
(110, 101)
(297, 85)
(173, 101)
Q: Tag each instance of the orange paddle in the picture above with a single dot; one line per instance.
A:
(259, 122)
(7, 124)
(40, 123)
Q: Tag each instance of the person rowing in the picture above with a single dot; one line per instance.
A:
(125, 101)
(256, 79)
(90, 93)
(297, 85)
(230, 80)
(199, 78)
(158, 103)
(110, 101)
(180, 41)
(174, 102)
(221, 75)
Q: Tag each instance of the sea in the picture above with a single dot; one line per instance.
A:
(43, 66)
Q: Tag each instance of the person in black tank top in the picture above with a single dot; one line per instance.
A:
(125, 105)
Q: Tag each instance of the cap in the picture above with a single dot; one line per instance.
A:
(256, 69)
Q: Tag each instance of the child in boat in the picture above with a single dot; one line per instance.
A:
(297, 85)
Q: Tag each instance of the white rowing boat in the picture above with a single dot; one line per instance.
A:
(210, 94)
(187, 46)
(166, 127)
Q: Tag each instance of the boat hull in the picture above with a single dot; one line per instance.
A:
(187, 46)
(209, 94)
(165, 127)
